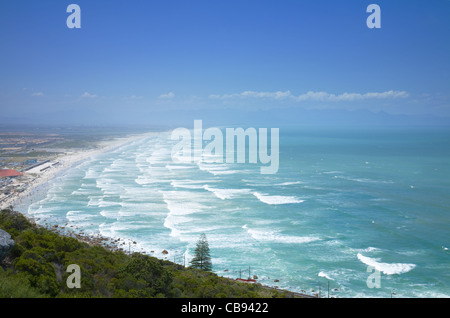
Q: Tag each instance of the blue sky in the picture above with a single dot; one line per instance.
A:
(132, 59)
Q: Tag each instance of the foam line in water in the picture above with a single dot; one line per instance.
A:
(215, 169)
(188, 184)
(178, 167)
(289, 183)
(271, 236)
(276, 199)
(323, 274)
(386, 268)
(224, 194)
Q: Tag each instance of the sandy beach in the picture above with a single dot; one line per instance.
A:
(40, 175)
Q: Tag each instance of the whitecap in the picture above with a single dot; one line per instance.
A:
(216, 169)
(224, 194)
(277, 199)
(272, 236)
(76, 216)
(172, 222)
(332, 172)
(180, 205)
(386, 268)
(370, 249)
(223, 172)
(188, 184)
(95, 200)
(159, 156)
(80, 191)
(108, 186)
(289, 183)
(145, 180)
(109, 214)
(91, 174)
(104, 204)
(178, 167)
(323, 274)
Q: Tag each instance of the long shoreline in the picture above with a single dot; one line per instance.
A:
(65, 162)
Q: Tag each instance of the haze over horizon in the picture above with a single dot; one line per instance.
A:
(258, 62)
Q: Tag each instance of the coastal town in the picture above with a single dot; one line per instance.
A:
(24, 157)
(29, 159)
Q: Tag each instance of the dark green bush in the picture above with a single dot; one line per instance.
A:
(16, 286)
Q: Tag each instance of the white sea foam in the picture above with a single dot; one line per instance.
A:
(313, 188)
(172, 222)
(180, 205)
(188, 184)
(94, 200)
(289, 183)
(160, 156)
(76, 216)
(80, 191)
(91, 174)
(141, 207)
(106, 230)
(108, 186)
(154, 213)
(109, 169)
(146, 180)
(258, 183)
(178, 167)
(212, 158)
(323, 274)
(215, 169)
(101, 201)
(136, 193)
(37, 208)
(272, 236)
(109, 214)
(363, 180)
(277, 199)
(386, 268)
(180, 158)
(224, 194)
(222, 172)
(370, 249)
(332, 172)
(105, 204)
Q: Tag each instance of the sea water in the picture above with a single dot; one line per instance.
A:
(344, 204)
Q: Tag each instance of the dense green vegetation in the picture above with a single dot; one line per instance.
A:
(36, 267)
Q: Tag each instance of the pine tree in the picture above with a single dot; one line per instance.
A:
(202, 259)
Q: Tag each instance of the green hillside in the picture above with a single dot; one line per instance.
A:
(37, 264)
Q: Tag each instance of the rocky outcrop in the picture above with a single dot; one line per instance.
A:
(6, 244)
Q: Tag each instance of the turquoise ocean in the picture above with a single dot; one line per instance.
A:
(341, 201)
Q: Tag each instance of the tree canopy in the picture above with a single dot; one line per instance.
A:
(202, 258)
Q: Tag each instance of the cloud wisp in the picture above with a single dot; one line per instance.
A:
(169, 95)
(88, 95)
(313, 96)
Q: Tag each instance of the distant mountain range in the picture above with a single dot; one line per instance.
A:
(226, 117)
